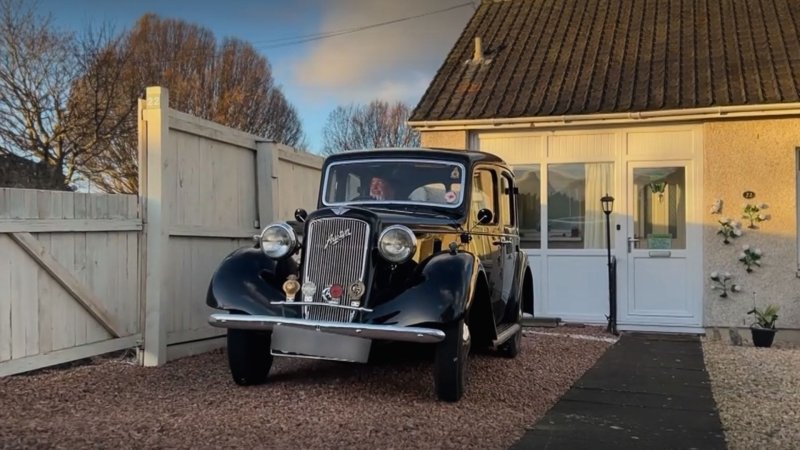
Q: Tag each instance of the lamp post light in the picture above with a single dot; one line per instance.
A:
(608, 207)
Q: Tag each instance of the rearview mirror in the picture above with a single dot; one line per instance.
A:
(485, 216)
(300, 215)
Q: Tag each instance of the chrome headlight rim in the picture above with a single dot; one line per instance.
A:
(412, 249)
(289, 233)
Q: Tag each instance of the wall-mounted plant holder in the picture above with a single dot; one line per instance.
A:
(753, 213)
(716, 207)
(750, 257)
(729, 229)
(721, 283)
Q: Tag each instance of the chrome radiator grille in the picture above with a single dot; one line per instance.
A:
(336, 252)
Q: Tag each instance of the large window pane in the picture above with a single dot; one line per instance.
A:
(575, 216)
(528, 179)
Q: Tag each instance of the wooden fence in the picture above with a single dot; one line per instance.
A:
(208, 190)
(204, 190)
(69, 276)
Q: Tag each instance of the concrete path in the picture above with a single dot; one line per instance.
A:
(648, 391)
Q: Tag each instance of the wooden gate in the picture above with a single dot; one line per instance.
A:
(69, 276)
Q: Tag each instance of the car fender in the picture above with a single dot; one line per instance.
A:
(441, 292)
(247, 280)
(518, 286)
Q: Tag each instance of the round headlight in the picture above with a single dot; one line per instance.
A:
(278, 240)
(397, 244)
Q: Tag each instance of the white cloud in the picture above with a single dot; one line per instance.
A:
(391, 62)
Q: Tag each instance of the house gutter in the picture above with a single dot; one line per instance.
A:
(668, 115)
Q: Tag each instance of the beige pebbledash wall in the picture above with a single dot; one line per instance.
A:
(444, 139)
(757, 156)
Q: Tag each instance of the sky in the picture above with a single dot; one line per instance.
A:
(390, 62)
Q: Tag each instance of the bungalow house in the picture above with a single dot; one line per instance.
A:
(683, 111)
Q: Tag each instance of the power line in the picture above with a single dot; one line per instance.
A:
(323, 35)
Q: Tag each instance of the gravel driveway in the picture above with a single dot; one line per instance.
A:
(757, 391)
(389, 403)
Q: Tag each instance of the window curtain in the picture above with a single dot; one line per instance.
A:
(599, 182)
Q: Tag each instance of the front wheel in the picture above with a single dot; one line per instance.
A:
(451, 365)
(249, 356)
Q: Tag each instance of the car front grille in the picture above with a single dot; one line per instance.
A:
(335, 252)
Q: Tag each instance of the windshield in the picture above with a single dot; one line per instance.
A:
(397, 181)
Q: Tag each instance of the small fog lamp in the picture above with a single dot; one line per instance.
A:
(309, 289)
(290, 287)
(355, 292)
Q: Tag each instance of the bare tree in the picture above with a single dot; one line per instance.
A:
(377, 124)
(37, 66)
(103, 109)
(231, 84)
(69, 102)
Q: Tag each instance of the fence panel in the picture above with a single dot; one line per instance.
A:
(69, 276)
(297, 179)
(208, 190)
(85, 274)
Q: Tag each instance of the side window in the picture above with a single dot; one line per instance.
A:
(484, 193)
(506, 194)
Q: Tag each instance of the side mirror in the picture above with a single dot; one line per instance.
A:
(300, 215)
(485, 216)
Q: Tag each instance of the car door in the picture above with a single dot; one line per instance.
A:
(509, 237)
(486, 237)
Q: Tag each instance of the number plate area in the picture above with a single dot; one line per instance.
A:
(307, 343)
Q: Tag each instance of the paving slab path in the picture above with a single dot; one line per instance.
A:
(648, 391)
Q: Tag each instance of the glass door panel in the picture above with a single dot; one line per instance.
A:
(659, 208)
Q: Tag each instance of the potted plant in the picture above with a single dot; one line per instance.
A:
(763, 330)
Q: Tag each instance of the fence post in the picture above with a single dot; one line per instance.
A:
(154, 193)
(266, 182)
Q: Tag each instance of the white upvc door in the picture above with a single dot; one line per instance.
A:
(662, 247)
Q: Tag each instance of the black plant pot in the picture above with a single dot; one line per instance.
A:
(762, 337)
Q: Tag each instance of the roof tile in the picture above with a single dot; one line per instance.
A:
(554, 57)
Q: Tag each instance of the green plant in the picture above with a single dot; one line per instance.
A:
(753, 214)
(750, 257)
(765, 318)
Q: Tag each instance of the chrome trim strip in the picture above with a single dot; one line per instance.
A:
(503, 337)
(299, 303)
(368, 331)
(324, 186)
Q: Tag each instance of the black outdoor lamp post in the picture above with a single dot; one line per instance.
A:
(608, 206)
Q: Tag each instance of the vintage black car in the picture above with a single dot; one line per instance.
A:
(415, 245)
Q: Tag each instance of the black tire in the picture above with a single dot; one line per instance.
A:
(451, 367)
(249, 356)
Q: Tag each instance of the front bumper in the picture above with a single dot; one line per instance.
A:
(369, 331)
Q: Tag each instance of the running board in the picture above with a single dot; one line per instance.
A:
(506, 334)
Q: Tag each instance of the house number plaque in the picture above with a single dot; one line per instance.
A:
(748, 194)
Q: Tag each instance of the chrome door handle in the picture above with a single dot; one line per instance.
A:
(631, 241)
(502, 241)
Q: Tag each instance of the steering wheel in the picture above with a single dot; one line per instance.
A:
(361, 197)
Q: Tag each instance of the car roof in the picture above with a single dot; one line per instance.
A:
(470, 157)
